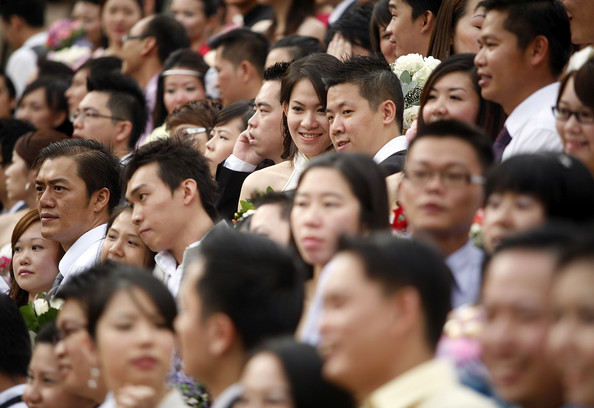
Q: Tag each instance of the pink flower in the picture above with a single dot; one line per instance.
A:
(411, 132)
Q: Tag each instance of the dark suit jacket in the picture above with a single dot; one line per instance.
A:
(394, 163)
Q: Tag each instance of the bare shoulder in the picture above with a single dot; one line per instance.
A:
(274, 176)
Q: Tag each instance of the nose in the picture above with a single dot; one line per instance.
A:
(497, 336)
(45, 200)
(60, 349)
(210, 144)
(479, 58)
(309, 120)
(253, 121)
(337, 125)
(136, 215)
(78, 122)
(117, 248)
(311, 216)
(31, 395)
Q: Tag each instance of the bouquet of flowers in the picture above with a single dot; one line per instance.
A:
(413, 71)
(67, 43)
(41, 310)
(5, 261)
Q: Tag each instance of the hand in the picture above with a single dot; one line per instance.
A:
(243, 149)
(136, 396)
(340, 47)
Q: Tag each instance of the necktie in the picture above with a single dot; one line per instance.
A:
(501, 142)
(58, 280)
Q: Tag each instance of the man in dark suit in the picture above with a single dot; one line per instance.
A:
(365, 107)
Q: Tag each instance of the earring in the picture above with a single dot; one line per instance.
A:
(27, 186)
(95, 373)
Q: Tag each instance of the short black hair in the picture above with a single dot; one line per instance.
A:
(470, 134)
(48, 334)
(32, 11)
(243, 44)
(241, 109)
(376, 82)
(96, 165)
(170, 35)
(97, 66)
(10, 131)
(125, 100)
(15, 343)
(250, 279)
(353, 25)
(396, 263)
(580, 250)
(420, 6)
(178, 161)
(276, 72)
(527, 19)
(54, 69)
(284, 199)
(298, 46)
(80, 286)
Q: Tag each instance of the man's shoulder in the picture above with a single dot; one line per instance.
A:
(458, 396)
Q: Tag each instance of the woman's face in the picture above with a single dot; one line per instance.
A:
(123, 244)
(577, 138)
(35, 261)
(269, 222)
(453, 96)
(133, 343)
(324, 209)
(7, 103)
(89, 15)
(468, 28)
(118, 18)
(18, 178)
(387, 47)
(180, 89)
(571, 338)
(264, 384)
(44, 384)
(190, 13)
(220, 146)
(306, 119)
(77, 90)
(510, 213)
(34, 108)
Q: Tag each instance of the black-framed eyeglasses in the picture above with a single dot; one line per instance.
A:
(134, 37)
(449, 178)
(563, 114)
(90, 115)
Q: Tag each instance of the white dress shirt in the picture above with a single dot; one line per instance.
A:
(84, 254)
(13, 392)
(466, 266)
(23, 62)
(395, 145)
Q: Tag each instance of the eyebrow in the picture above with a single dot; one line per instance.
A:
(136, 189)
(53, 181)
(262, 103)
(340, 105)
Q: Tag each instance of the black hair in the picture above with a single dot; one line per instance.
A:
(10, 131)
(366, 181)
(96, 165)
(80, 287)
(284, 199)
(55, 98)
(243, 44)
(9, 85)
(116, 278)
(582, 250)
(48, 334)
(465, 132)
(170, 35)
(276, 72)
(32, 11)
(298, 46)
(561, 183)
(184, 58)
(527, 19)
(418, 266)
(380, 18)
(376, 82)
(15, 343)
(353, 25)
(241, 109)
(302, 365)
(298, 11)
(54, 69)
(420, 6)
(583, 83)
(199, 113)
(177, 161)
(125, 100)
(250, 279)
(98, 66)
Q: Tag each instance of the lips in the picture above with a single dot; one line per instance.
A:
(342, 145)
(47, 217)
(484, 79)
(311, 242)
(575, 144)
(432, 208)
(310, 137)
(24, 272)
(145, 362)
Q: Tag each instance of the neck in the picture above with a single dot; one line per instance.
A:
(27, 33)
(281, 12)
(276, 157)
(147, 72)
(521, 95)
(194, 233)
(121, 150)
(7, 382)
(227, 373)
(99, 220)
(197, 44)
(446, 243)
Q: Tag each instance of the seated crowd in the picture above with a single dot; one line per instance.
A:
(305, 203)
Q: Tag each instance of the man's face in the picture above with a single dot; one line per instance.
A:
(63, 202)
(502, 65)
(353, 124)
(266, 136)
(517, 319)
(406, 32)
(432, 206)
(581, 15)
(99, 128)
(132, 49)
(156, 211)
(356, 325)
(227, 81)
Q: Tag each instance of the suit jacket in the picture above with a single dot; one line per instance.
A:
(394, 163)
(230, 183)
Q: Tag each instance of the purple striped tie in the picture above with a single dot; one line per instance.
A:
(501, 142)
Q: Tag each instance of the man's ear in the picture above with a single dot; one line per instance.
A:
(538, 51)
(245, 71)
(59, 118)
(407, 309)
(100, 199)
(221, 334)
(149, 44)
(189, 190)
(123, 130)
(428, 22)
(388, 111)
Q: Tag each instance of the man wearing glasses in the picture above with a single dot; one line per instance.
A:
(113, 113)
(441, 191)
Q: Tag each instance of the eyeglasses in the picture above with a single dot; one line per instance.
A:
(134, 37)
(453, 179)
(90, 115)
(564, 114)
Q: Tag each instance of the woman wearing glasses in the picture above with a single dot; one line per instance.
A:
(575, 114)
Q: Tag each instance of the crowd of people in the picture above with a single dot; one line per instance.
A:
(253, 203)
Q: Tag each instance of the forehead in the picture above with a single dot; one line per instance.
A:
(443, 151)
(59, 167)
(95, 100)
(140, 26)
(346, 92)
(348, 277)
(269, 93)
(71, 310)
(493, 25)
(147, 175)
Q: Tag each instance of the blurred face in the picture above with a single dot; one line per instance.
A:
(453, 96)
(33, 107)
(387, 47)
(7, 103)
(35, 261)
(577, 138)
(265, 125)
(580, 13)
(44, 384)
(264, 383)
(467, 30)
(180, 89)
(509, 213)
(431, 206)
(78, 89)
(406, 32)
(66, 209)
(227, 82)
(355, 324)
(118, 18)
(571, 337)
(100, 128)
(132, 59)
(324, 209)
(306, 119)
(190, 13)
(269, 222)
(123, 244)
(517, 307)
(133, 343)
(18, 175)
(89, 15)
(220, 146)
